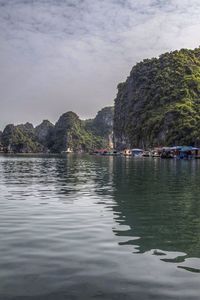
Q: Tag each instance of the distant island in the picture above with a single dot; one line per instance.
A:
(158, 104)
(68, 134)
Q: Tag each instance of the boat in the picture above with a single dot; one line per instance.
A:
(127, 152)
(137, 152)
(155, 153)
(146, 154)
(67, 151)
(167, 152)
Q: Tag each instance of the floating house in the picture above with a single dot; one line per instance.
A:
(187, 152)
(167, 152)
(180, 152)
(127, 152)
(146, 153)
(137, 152)
(156, 152)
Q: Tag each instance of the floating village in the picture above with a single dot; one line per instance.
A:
(175, 152)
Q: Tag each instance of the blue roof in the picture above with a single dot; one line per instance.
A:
(137, 150)
(176, 147)
(187, 148)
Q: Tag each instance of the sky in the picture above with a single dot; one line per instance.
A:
(62, 55)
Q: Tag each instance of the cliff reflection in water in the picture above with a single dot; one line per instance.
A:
(159, 201)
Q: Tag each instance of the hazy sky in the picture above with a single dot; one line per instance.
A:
(60, 55)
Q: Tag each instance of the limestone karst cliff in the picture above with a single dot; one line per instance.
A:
(20, 139)
(43, 133)
(102, 125)
(68, 132)
(159, 103)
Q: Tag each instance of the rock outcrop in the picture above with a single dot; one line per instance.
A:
(26, 128)
(102, 126)
(20, 139)
(43, 133)
(70, 133)
(159, 104)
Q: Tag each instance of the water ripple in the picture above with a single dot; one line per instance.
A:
(82, 227)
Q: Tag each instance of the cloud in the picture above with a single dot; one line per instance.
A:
(59, 55)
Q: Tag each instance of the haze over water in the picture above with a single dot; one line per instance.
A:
(86, 227)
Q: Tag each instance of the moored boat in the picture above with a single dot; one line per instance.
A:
(146, 154)
(69, 150)
(127, 152)
(137, 152)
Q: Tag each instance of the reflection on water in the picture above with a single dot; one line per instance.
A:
(159, 200)
(84, 227)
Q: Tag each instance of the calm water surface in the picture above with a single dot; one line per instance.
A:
(99, 228)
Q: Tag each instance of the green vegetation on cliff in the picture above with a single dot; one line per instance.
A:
(102, 126)
(69, 132)
(159, 104)
(43, 133)
(20, 139)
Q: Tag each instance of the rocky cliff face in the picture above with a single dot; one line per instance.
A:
(20, 139)
(70, 132)
(102, 126)
(159, 104)
(26, 128)
(44, 132)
